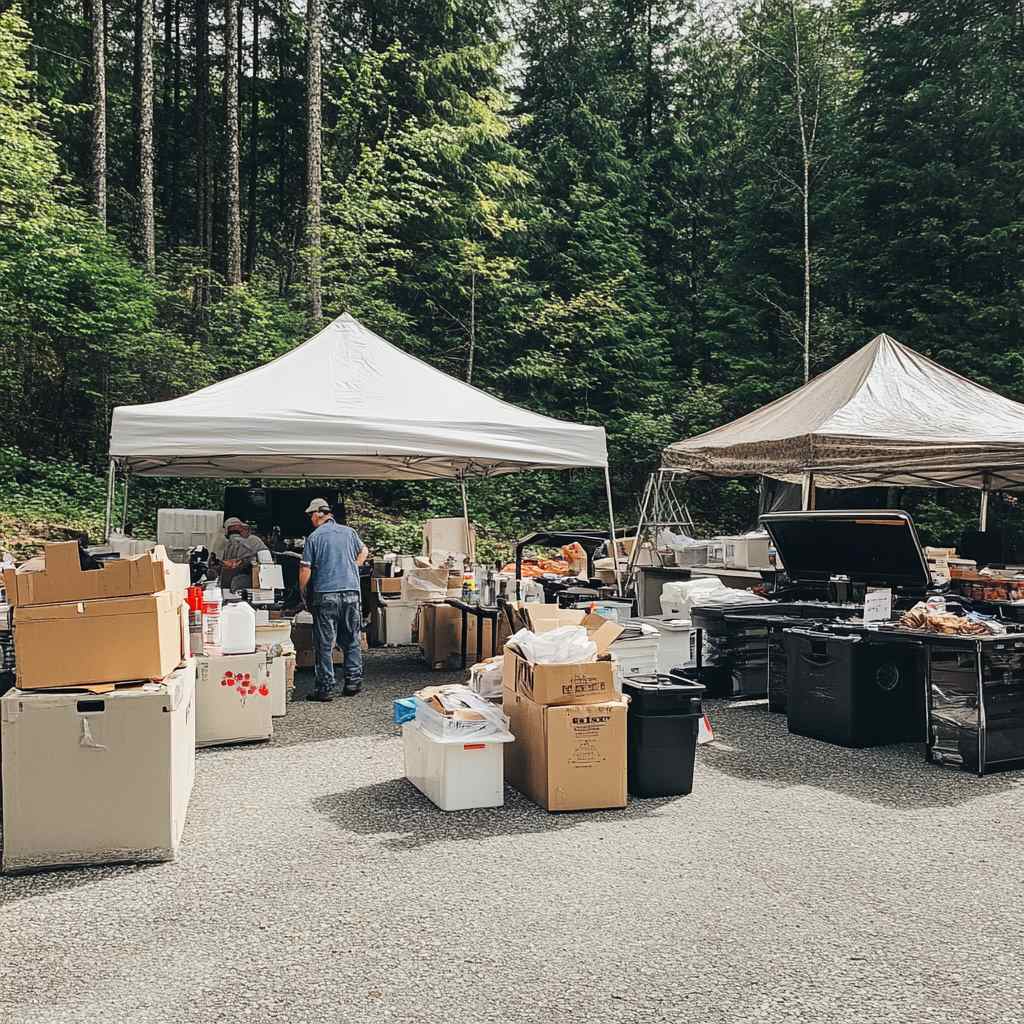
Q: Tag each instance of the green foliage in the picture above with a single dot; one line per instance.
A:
(600, 201)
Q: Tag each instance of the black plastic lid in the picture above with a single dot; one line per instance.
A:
(874, 547)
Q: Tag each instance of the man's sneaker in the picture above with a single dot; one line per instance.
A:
(320, 696)
(351, 689)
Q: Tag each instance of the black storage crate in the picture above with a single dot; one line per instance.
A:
(853, 690)
(663, 723)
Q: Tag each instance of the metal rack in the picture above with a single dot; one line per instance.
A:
(662, 507)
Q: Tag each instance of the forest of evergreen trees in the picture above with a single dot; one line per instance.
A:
(646, 214)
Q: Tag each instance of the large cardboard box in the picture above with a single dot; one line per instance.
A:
(57, 577)
(428, 584)
(233, 699)
(567, 758)
(440, 636)
(93, 779)
(587, 682)
(97, 642)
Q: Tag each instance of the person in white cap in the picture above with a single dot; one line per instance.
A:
(329, 581)
(239, 554)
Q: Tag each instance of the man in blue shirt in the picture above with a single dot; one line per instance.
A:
(329, 581)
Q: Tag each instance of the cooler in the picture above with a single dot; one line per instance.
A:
(396, 622)
(662, 726)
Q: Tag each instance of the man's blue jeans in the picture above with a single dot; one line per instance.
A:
(337, 618)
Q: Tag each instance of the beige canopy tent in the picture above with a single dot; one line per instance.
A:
(886, 416)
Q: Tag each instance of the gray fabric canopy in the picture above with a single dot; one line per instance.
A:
(885, 416)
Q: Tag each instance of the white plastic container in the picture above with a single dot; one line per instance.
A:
(397, 618)
(677, 644)
(637, 657)
(213, 601)
(458, 775)
(237, 628)
(276, 631)
(678, 597)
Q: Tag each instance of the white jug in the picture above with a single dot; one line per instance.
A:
(238, 628)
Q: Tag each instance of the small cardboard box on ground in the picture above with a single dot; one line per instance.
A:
(99, 642)
(575, 683)
(97, 779)
(282, 676)
(567, 758)
(233, 702)
(440, 635)
(57, 577)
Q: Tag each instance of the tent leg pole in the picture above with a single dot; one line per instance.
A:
(465, 515)
(983, 517)
(110, 502)
(124, 507)
(611, 526)
(808, 497)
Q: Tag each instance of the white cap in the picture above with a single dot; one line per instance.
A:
(318, 505)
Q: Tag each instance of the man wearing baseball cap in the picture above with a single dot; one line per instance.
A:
(329, 581)
(239, 554)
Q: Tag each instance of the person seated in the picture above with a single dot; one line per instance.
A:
(239, 555)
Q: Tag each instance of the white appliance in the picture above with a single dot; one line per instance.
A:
(456, 775)
(636, 657)
(97, 778)
(677, 644)
(749, 552)
(282, 672)
(233, 702)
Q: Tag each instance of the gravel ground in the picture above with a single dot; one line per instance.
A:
(799, 882)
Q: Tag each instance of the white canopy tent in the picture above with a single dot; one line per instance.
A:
(346, 404)
(885, 416)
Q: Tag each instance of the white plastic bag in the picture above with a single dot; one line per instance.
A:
(567, 645)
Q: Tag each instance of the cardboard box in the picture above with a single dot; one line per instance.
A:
(97, 642)
(282, 679)
(574, 683)
(426, 585)
(58, 577)
(97, 780)
(440, 636)
(233, 702)
(568, 758)
(390, 586)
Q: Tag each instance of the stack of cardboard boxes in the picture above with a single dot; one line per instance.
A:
(568, 720)
(102, 770)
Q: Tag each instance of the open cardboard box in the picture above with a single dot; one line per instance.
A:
(576, 683)
(58, 577)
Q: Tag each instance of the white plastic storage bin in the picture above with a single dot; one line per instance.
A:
(180, 529)
(746, 552)
(97, 778)
(678, 641)
(459, 775)
(716, 551)
(455, 729)
(396, 622)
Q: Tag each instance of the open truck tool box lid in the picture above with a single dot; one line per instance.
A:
(871, 547)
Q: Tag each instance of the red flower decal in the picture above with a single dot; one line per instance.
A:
(264, 691)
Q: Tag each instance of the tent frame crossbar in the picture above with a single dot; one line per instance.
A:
(661, 508)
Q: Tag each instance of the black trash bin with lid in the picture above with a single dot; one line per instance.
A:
(663, 722)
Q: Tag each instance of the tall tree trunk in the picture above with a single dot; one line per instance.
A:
(166, 132)
(805, 195)
(175, 146)
(99, 111)
(472, 326)
(204, 220)
(313, 227)
(147, 229)
(233, 272)
(254, 140)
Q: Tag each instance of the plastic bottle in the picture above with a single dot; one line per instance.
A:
(935, 603)
(238, 628)
(212, 602)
